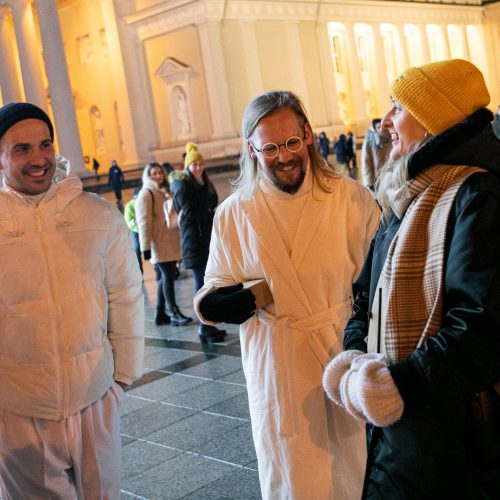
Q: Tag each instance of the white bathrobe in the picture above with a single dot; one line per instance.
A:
(307, 448)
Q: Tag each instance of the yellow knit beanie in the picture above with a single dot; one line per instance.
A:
(192, 154)
(441, 94)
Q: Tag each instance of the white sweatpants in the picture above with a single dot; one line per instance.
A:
(76, 458)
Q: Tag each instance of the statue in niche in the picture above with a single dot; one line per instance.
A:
(85, 49)
(181, 112)
(98, 130)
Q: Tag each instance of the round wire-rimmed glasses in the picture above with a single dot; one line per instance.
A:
(271, 150)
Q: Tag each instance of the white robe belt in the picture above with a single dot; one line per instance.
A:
(283, 327)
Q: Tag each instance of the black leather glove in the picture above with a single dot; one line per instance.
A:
(228, 304)
(146, 254)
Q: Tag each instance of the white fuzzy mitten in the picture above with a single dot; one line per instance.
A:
(334, 371)
(369, 393)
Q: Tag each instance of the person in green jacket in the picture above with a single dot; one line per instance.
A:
(129, 214)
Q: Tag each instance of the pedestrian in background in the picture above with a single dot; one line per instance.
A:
(340, 150)
(95, 168)
(427, 309)
(350, 144)
(374, 153)
(159, 243)
(116, 179)
(323, 145)
(129, 214)
(195, 200)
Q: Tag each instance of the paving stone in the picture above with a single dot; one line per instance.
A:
(235, 407)
(215, 368)
(240, 485)
(176, 478)
(151, 418)
(237, 377)
(166, 357)
(140, 456)
(236, 447)
(194, 430)
(167, 387)
(131, 404)
(206, 395)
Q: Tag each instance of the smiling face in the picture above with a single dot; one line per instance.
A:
(27, 157)
(287, 170)
(196, 168)
(405, 130)
(156, 174)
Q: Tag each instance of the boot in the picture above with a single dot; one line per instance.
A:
(178, 319)
(210, 335)
(161, 317)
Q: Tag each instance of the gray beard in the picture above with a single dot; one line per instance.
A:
(289, 188)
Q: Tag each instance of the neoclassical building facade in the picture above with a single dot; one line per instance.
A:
(135, 80)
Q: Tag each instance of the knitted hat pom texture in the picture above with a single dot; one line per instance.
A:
(192, 154)
(440, 95)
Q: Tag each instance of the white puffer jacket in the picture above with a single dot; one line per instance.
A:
(71, 302)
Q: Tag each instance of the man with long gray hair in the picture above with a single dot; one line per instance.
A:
(302, 229)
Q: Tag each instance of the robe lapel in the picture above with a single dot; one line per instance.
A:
(312, 216)
(271, 243)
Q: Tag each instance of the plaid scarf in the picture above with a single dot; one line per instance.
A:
(413, 275)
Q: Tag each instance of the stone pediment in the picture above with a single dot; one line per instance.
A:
(173, 70)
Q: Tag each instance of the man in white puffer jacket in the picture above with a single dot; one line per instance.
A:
(71, 321)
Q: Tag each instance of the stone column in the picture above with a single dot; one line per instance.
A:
(296, 58)
(355, 77)
(328, 76)
(422, 30)
(251, 58)
(215, 77)
(128, 72)
(63, 108)
(405, 60)
(29, 53)
(446, 42)
(9, 82)
(380, 64)
(465, 41)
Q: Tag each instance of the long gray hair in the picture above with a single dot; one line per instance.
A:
(261, 107)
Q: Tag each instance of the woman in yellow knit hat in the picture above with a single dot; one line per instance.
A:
(195, 199)
(422, 350)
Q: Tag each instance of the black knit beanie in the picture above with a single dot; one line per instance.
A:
(15, 112)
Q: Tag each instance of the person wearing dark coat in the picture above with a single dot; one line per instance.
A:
(323, 145)
(116, 178)
(195, 200)
(95, 168)
(340, 150)
(350, 143)
(422, 348)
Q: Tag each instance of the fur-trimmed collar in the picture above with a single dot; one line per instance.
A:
(470, 142)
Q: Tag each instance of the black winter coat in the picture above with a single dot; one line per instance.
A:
(196, 204)
(426, 454)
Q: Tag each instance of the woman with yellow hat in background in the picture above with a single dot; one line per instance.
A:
(195, 200)
(422, 350)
